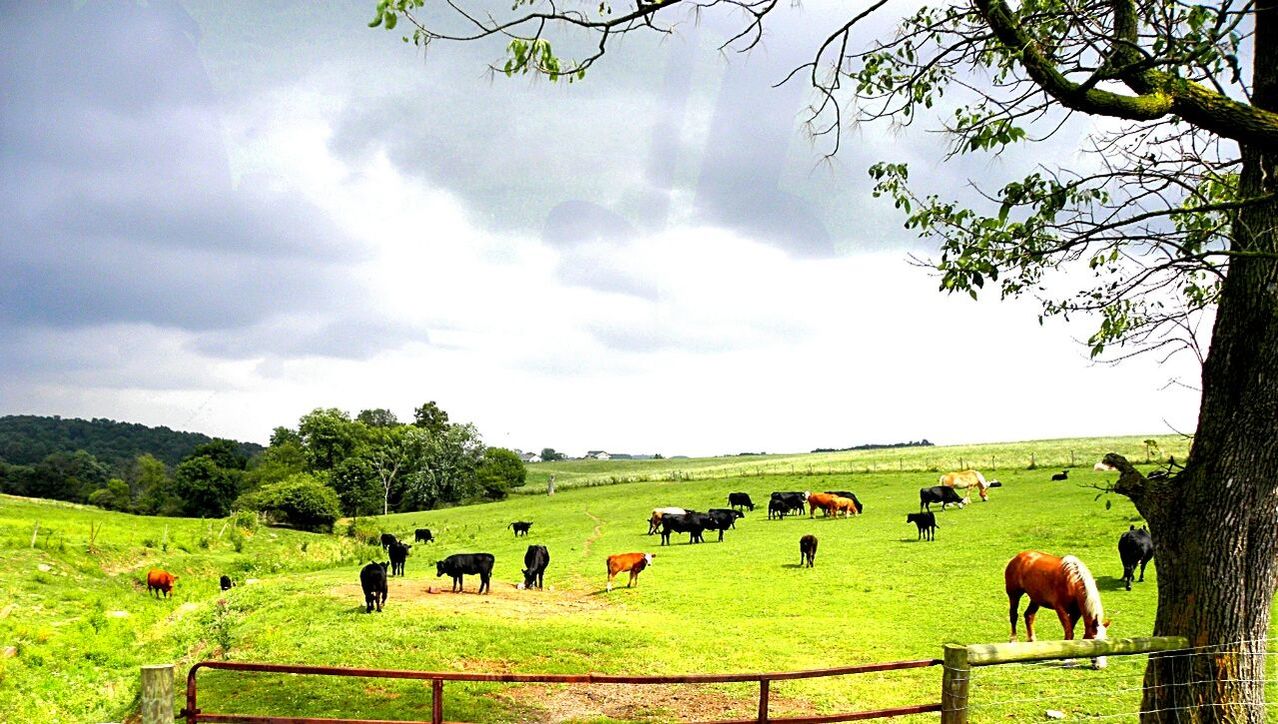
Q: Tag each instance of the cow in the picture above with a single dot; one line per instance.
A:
(926, 523)
(740, 500)
(226, 583)
(422, 535)
(1062, 475)
(158, 580)
(807, 551)
(728, 513)
(654, 522)
(1135, 546)
(521, 527)
(372, 578)
(460, 564)
(691, 523)
(940, 494)
(846, 506)
(823, 501)
(398, 554)
(536, 558)
(850, 496)
(967, 479)
(632, 562)
(721, 519)
(782, 504)
(387, 539)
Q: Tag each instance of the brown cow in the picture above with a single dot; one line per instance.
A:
(633, 562)
(824, 501)
(160, 580)
(846, 506)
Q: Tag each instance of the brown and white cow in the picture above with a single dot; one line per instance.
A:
(966, 479)
(633, 562)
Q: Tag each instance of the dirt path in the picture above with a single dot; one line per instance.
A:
(595, 534)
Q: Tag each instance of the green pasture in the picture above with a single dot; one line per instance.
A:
(876, 594)
(1042, 454)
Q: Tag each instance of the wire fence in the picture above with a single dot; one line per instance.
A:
(1075, 691)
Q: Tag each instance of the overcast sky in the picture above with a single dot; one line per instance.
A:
(218, 216)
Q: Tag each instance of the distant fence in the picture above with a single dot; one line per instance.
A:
(955, 690)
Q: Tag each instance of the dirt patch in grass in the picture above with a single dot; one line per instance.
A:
(502, 599)
(650, 702)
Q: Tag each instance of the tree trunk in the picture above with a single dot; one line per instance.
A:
(1215, 525)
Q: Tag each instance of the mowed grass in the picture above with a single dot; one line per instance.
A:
(1043, 454)
(876, 594)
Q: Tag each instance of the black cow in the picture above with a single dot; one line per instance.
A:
(781, 504)
(926, 523)
(521, 527)
(1062, 475)
(387, 539)
(740, 500)
(1135, 546)
(373, 579)
(422, 535)
(460, 564)
(942, 494)
(226, 583)
(398, 554)
(807, 551)
(849, 496)
(721, 519)
(536, 558)
(691, 523)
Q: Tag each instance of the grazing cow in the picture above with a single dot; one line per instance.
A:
(633, 562)
(940, 494)
(824, 501)
(460, 564)
(782, 504)
(372, 578)
(846, 506)
(536, 558)
(740, 500)
(967, 479)
(691, 523)
(850, 496)
(721, 519)
(926, 523)
(521, 527)
(807, 551)
(387, 539)
(226, 583)
(1135, 546)
(1062, 475)
(654, 523)
(422, 535)
(398, 554)
(158, 580)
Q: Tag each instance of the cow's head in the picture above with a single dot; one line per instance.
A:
(737, 514)
(647, 558)
(439, 568)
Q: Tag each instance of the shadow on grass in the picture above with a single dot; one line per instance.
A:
(1112, 583)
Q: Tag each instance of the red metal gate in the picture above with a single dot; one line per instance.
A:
(193, 714)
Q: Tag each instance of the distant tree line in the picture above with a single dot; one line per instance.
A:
(330, 464)
(29, 439)
(876, 446)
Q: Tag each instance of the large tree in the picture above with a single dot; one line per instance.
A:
(1170, 217)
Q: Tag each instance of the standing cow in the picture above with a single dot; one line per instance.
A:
(939, 494)
(387, 539)
(536, 558)
(807, 551)
(740, 500)
(632, 562)
(1135, 547)
(422, 535)
(158, 580)
(372, 578)
(461, 564)
(520, 527)
(398, 555)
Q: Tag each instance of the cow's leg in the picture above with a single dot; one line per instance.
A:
(483, 582)
(634, 578)
(611, 575)
(1013, 604)
(1142, 572)
(720, 535)
(1030, 611)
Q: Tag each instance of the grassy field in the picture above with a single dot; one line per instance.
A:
(1042, 454)
(83, 626)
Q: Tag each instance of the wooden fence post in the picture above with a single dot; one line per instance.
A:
(763, 701)
(954, 685)
(157, 694)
